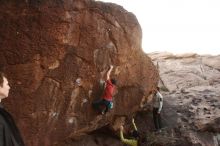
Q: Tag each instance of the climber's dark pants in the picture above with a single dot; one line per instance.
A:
(157, 119)
(100, 103)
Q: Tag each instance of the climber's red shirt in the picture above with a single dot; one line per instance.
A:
(108, 91)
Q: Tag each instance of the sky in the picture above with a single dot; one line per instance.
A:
(177, 26)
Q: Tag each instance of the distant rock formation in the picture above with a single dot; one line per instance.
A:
(54, 53)
(192, 97)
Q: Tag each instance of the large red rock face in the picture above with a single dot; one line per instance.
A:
(46, 46)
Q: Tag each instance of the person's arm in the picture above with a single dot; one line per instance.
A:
(109, 72)
(134, 125)
(131, 142)
(160, 102)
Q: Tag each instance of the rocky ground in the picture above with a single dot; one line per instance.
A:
(191, 114)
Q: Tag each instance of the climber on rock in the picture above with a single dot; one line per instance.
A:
(107, 97)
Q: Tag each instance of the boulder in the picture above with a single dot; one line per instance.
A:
(55, 52)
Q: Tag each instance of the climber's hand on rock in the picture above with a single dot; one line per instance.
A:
(132, 120)
(121, 128)
(110, 66)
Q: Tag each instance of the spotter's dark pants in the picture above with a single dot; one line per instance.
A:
(157, 119)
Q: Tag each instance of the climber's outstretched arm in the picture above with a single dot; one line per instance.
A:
(134, 125)
(109, 72)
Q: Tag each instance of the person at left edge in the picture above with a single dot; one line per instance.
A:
(9, 133)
